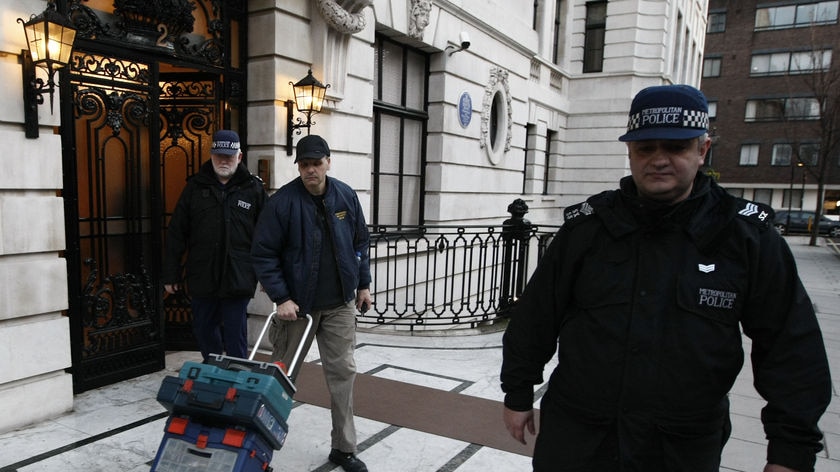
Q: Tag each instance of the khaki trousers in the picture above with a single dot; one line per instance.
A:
(335, 330)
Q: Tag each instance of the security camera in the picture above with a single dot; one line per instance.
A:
(465, 40)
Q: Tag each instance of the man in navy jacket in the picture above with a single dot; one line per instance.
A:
(310, 252)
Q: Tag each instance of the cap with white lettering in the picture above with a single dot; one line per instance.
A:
(667, 112)
(225, 142)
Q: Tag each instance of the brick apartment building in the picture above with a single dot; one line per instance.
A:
(760, 62)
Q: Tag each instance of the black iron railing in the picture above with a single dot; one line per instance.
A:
(440, 276)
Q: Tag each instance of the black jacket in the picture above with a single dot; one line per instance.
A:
(287, 244)
(213, 225)
(643, 308)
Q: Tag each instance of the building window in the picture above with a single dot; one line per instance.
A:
(535, 16)
(712, 110)
(711, 66)
(546, 174)
(796, 16)
(781, 63)
(763, 195)
(810, 61)
(809, 153)
(778, 109)
(749, 155)
(735, 192)
(781, 154)
(717, 22)
(399, 113)
(596, 28)
(792, 198)
(558, 33)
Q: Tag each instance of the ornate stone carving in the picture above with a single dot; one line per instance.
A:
(497, 85)
(418, 18)
(344, 16)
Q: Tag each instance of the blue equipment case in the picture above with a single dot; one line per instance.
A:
(222, 403)
(191, 446)
(232, 405)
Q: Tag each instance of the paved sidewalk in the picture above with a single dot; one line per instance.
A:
(819, 269)
(119, 427)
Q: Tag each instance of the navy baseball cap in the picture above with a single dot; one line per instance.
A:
(667, 112)
(312, 147)
(225, 142)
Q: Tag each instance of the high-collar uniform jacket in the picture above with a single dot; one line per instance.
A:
(644, 308)
(213, 225)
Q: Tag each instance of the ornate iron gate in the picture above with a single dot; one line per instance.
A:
(115, 326)
(145, 95)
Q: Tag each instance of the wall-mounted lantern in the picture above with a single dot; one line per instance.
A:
(49, 41)
(309, 97)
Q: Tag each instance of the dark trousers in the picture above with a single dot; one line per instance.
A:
(220, 326)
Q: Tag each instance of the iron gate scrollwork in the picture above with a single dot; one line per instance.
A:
(115, 322)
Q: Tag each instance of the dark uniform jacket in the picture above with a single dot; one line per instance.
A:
(644, 308)
(214, 225)
(287, 245)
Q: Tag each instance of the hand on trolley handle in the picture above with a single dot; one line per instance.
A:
(276, 312)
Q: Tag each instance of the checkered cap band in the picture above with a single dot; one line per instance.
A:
(695, 119)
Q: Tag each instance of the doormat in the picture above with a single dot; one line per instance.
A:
(452, 415)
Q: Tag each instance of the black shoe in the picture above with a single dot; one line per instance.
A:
(348, 461)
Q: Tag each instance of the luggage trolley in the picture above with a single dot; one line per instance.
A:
(228, 413)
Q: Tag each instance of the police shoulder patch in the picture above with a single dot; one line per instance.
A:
(578, 212)
(756, 213)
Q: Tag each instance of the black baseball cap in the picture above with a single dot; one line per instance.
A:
(312, 147)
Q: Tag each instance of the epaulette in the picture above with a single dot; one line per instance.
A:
(756, 213)
(577, 213)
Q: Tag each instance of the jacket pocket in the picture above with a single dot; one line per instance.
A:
(714, 298)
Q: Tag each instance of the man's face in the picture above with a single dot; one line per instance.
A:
(225, 165)
(664, 170)
(314, 174)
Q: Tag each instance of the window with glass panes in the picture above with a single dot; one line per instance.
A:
(399, 144)
(749, 155)
(593, 41)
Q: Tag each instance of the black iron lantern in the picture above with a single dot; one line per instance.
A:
(49, 41)
(309, 95)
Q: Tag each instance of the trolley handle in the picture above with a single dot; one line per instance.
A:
(296, 358)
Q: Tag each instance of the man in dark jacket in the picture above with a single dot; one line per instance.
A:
(311, 255)
(212, 225)
(642, 294)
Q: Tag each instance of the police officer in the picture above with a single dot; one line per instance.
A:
(212, 226)
(643, 295)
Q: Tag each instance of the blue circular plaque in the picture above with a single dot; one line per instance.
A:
(465, 109)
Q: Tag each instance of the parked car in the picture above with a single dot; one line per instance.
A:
(801, 221)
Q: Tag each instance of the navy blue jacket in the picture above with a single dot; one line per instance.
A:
(213, 226)
(287, 244)
(644, 310)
